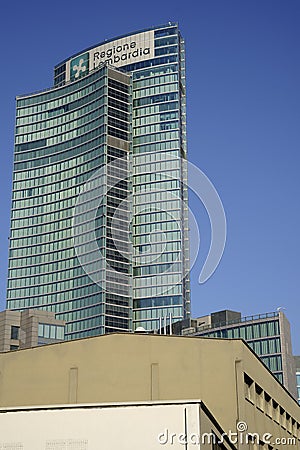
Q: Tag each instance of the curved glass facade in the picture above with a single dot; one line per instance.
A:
(63, 136)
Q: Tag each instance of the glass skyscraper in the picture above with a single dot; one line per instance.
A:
(100, 158)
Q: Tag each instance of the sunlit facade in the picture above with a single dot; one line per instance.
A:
(62, 137)
(268, 335)
(94, 114)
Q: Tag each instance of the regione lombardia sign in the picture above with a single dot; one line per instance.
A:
(127, 50)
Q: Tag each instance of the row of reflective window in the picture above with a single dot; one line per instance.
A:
(159, 98)
(167, 279)
(93, 78)
(44, 228)
(158, 146)
(155, 109)
(70, 285)
(155, 249)
(86, 200)
(70, 194)
(56, 302)
(155, 186)
(156, 227)
(91, 152)
(141, 179)
(78, 114)
(23, 268)
(274, 363)
(62, 270)
(63, 123)
(158, 244)
(155, 118)
(20, 210)
(142, 75)
(85, 324)
(60, 131)
(57, 106)
(29, 297)
(70, 149)
(167, 135)
(156, 313)
(153, 302)
(50, 331)
(62, 113)
(156, 269)
(250, 331)
(167, 289)
(80, 314)
(37, 187)
(157, 79)
(144, 92)
(155, 128)
(73, 136)
(60, 237)
(142, 216)
(40, 260)
(158, 201)
(96, 331)
(159, 166)
(172, 252)
(159, 61)
(74, 276)
(46, 251)
(95, 310)
(266, 346)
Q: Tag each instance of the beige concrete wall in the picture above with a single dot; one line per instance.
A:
(27, 321)
(7, 320)
(132, 367)
(288, 362)
(29, 324)
(148, 426)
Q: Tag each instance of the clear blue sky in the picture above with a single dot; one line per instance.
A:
(243, 75)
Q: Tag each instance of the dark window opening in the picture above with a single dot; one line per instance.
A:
(14, 332)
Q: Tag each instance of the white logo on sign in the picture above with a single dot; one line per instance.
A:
(80, 68)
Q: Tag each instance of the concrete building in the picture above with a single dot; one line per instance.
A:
(267, 334)
(29, 328)
(224, 374)
(111, 135)
(151, 425)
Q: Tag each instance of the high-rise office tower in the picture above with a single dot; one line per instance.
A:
(99, 226)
